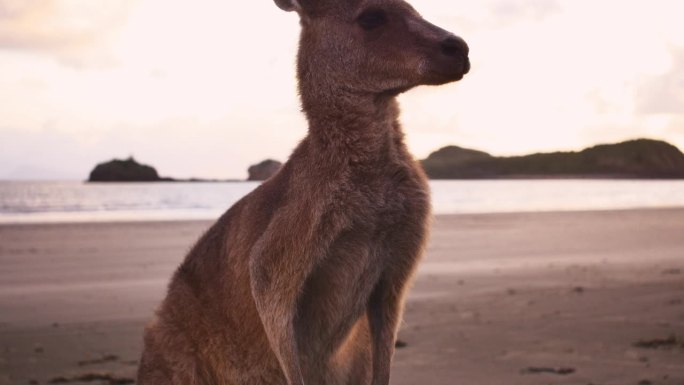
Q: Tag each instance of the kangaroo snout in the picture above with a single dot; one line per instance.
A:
(457, 48)
(445, 54)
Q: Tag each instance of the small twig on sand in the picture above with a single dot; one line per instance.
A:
(90, 377)
(539, 370)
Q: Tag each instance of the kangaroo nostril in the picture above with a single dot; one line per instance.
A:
(453, 46)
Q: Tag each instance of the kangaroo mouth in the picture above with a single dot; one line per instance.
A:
(466, 65)
(441, 73)
(465, 68)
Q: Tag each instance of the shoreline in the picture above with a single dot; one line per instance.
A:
(508, 298)
(153, 220)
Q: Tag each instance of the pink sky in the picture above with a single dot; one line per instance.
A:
(205, 89)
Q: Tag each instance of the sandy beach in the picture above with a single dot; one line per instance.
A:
(540, 298)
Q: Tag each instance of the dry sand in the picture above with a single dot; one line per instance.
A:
(546, 298)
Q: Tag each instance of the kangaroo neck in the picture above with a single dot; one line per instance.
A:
(359, 127)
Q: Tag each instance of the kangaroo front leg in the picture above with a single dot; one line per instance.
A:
(276, 304)
(279, 265)
(384, 314)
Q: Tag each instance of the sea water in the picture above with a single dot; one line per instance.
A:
(39, 202)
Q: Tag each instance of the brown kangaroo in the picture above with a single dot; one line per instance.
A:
(302, 282)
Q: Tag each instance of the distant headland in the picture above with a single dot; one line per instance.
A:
(640, 158)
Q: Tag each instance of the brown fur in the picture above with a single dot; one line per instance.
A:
(302, 282)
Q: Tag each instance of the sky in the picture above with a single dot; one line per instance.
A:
(206, 88)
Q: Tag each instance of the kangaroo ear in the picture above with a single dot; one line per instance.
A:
(288, 5)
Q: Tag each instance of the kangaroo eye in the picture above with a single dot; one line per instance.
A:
(372, 18)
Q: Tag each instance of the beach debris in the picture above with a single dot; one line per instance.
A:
(107, 378)
(562, 371)
(645, 382)
(400, 344)
(670, 342)
(104, 359)
(578, 290)
(672, 271)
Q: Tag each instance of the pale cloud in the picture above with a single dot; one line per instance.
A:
(664, 94)
(76, 32)
(519, 11)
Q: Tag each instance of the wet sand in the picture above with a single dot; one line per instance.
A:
(545, 298)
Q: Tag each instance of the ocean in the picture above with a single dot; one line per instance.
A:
(44, 202)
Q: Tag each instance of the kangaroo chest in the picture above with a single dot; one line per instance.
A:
(397, 200)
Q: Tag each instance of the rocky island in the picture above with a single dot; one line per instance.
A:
(127, 170)
(264, 170)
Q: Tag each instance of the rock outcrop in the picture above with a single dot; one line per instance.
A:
(127, 170)
(264, 170)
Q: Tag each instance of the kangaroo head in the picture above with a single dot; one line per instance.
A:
(373, 46)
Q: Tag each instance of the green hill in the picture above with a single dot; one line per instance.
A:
(641, 158)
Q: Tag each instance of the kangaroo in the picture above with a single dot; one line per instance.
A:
(302, 282)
